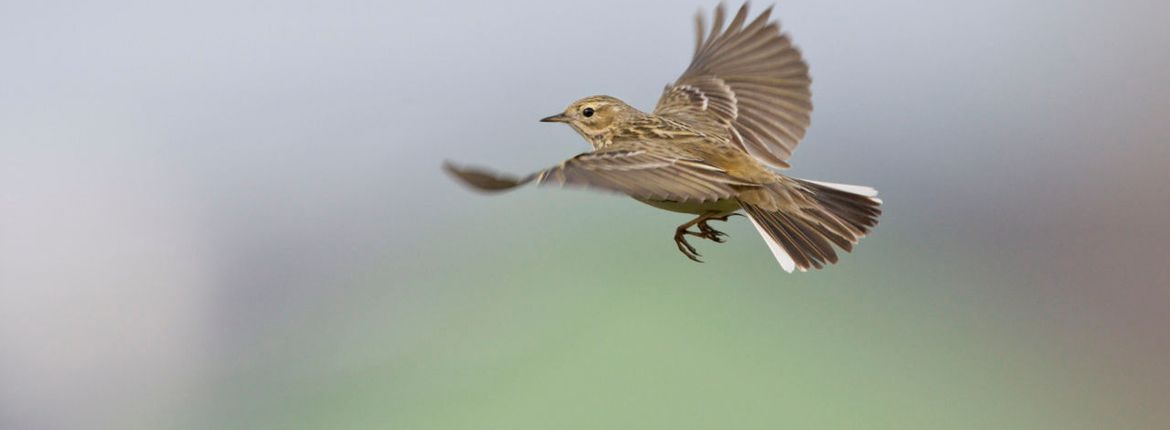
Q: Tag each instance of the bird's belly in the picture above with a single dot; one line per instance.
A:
(718, 206)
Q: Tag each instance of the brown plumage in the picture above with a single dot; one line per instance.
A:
(708, 147)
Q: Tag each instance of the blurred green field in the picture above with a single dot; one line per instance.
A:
(590, 323)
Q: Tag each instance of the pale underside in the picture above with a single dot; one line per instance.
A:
(718, 207)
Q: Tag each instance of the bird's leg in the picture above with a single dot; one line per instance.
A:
(710, 232)
(705, 232)
(680, 239)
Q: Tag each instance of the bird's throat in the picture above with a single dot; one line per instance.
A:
(597, 140)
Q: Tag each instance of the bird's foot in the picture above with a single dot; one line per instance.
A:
(705, 232)
(710, 233)
(680, 239)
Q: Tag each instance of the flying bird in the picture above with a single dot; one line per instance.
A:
(711, 146)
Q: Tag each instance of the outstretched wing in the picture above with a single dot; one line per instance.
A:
(750, 78)
(641, 173)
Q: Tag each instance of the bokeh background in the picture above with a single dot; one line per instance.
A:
(231, 215)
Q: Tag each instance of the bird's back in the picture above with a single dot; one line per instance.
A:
(694, 140)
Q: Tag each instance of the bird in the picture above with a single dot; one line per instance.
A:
(713, 146)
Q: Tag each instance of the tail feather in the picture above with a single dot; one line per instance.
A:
(818, 243)
(776, 243)
(860, 211)
(803, 237)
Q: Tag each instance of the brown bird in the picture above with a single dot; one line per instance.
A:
(710, 146)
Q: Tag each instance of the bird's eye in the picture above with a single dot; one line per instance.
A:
(588, 112)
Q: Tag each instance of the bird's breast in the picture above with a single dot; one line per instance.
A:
(719, 206)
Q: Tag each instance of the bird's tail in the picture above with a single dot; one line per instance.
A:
(801, 236)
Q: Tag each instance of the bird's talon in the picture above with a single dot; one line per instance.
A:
(709, 233)
(685, 247)
(705, 232)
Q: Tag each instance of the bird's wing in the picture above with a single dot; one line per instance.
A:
(646, 173)
(750, 78)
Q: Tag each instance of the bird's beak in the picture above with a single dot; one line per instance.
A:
(560, 117)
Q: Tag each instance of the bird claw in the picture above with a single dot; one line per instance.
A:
(705, 232)
(685, 247)
(710, 233)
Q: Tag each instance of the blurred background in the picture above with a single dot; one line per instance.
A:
(231, 215)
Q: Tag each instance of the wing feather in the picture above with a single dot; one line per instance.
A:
(748, 77)
(651, 173)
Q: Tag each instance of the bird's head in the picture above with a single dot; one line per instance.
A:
(596, 115)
